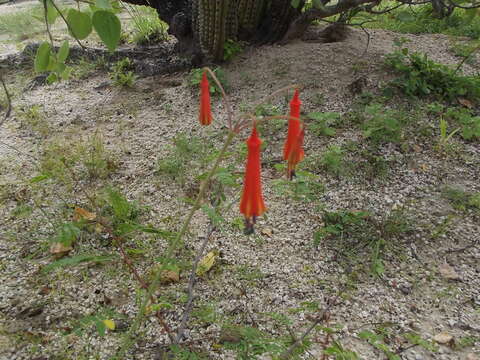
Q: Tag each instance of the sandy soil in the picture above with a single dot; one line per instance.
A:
(278, 270)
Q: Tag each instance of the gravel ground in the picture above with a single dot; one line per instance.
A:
(278, 270)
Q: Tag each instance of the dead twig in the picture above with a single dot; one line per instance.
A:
(9, 101)
(126, 259)
(472, 245)
(323, 316)
(191, 284)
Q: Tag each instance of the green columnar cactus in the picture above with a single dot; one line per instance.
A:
(219, 20)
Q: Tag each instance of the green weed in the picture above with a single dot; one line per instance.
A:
(420, 20)
(22, 25)
(305, 186)
(461, 199)
(333, 161)
(231, 48)
(468, 124)
(381, 125)
(34, 119)
(84, 67)
(188, 153)
(196, 76)
(420, 76)
(338, 352)
(352, 231)
(147, 26)
(69, 161)
(122, 74)
(323, 123)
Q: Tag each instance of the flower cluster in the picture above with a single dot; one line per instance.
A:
(252, 204)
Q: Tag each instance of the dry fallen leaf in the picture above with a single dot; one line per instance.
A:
(448, 272)
(472, 356)
(465, 102)
(59, 249)
(170, 276)
(267, 232)
(443, 338)
(206, 263)
(82, 214)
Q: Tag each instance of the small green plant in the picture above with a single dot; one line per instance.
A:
(323, 123)
(469, 124)
(196, 76)
(465, 50)
(22, 25)
(102, 320)
(381, 125)
(466, 341)
(445, 136)
(34, 119)
(355, 230)
(416, 339)
(461, 199)
(420, 20)
(188, 155)
(68, 160)
(420, 76)
(122, 74)
(378, 342)
(84, 67)
(306, 186)
(231, 48)
(333, 161)
(147, 26)
(338, 352)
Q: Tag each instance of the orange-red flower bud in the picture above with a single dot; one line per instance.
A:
(293, 151)
(205, 116)
(251, 204)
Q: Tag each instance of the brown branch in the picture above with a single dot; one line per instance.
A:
(324, 315)
(9, 101)
(118, 241)
(191, 284)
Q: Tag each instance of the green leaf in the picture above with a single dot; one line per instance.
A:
(52, 13)
(108, 27)
(318, 4)
(295, 3)
(101, 328)
(67, 234)
(63, 52)
(75, 260)
(65, 75)
(80, 24)
(52, 63)
(405, 16)
(43, 57)
(103, 4)
(39, 178)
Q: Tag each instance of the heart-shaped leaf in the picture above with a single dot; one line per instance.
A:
(63, 52)
(43, 57)
(79, 23)
(108, 27)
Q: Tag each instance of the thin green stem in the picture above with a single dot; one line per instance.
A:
(173, 246)
(474, 50)
(45, 14)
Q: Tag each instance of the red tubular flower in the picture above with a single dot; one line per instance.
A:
(293, 151)
(205, 116)
(252, 205)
